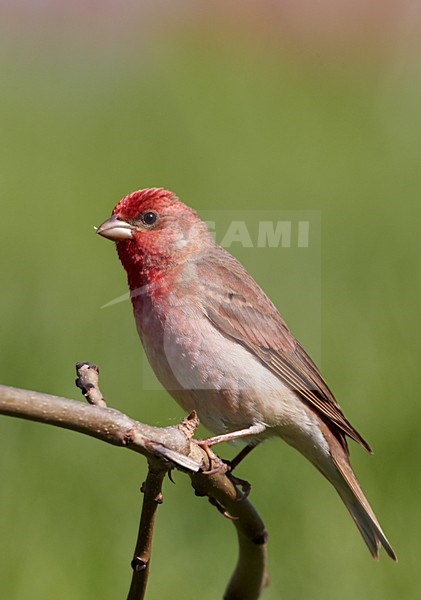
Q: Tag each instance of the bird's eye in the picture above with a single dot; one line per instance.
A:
(149, 217)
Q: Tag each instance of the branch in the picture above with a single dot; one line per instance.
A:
(164, 448)
(152, 490)
(106, 424)
(250, 576)
(87, 381)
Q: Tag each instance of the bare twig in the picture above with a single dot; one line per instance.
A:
(167, 447)
(106, 424)
(152, 498)
(152, 490)
(87, 381)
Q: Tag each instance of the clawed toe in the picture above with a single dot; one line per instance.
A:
(228, 467)
(240, 483)
(213, 459)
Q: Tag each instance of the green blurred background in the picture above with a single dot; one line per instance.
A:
(271, 106)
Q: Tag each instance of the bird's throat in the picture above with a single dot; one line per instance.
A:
(145, 275)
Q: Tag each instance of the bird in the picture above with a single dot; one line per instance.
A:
(218, 344)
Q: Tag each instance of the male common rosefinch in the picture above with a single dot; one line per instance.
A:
(219, 346)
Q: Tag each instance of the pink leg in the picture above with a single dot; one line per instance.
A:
(234, 435)
(226, 437)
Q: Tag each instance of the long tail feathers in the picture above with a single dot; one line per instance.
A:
(360, 510)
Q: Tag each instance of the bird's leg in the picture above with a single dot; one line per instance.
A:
(227, 437)
(233, 463)
(234, 435)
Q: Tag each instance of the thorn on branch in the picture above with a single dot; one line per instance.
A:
(87, 381)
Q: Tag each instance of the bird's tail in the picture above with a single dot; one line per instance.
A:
(335, 466)
(349, 490)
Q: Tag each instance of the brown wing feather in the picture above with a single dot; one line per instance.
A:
(237, 306)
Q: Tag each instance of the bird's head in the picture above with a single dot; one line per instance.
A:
(154, 230)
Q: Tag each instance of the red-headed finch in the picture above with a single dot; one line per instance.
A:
(219, 346)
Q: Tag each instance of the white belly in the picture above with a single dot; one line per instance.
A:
(229, 387)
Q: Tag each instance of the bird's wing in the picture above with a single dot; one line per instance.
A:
(240, 310)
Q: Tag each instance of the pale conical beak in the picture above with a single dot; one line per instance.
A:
(115, 229)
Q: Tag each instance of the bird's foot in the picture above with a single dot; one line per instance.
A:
(221, 509)
(217, 463)
(240, 483)
(237, 481)
(242, 486)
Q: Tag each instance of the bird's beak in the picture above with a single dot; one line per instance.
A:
(115, 229)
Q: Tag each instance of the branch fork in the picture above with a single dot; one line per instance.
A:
(165, 448)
